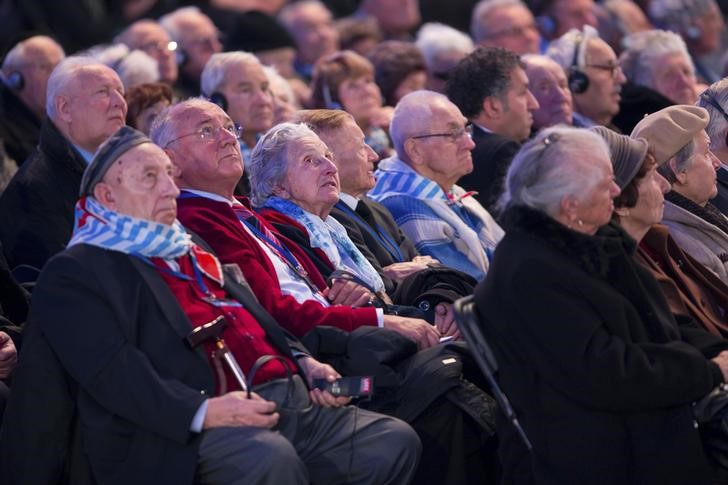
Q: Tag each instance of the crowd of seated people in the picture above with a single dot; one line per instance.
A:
(212, 212)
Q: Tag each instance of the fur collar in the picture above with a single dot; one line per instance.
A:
(594, 253)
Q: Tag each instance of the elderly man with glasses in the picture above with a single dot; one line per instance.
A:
(417, 185)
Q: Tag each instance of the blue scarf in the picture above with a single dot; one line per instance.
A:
(98, 226)
(330, 236)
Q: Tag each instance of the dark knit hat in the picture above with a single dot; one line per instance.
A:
(255, 32)
(393, 61)
(627, 154)
(118, 144)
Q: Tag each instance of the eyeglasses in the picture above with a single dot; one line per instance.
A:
(454, 135)
(519, 30)
(207, 134)
(160, 47)
(612, 68)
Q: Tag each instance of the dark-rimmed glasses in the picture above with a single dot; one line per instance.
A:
(454, 134)
(208, 133)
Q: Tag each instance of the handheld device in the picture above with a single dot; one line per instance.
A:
(361, 386)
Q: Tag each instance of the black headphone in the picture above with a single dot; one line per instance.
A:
(15, 80)
(219, 99)
(708, 98)
(578, 80)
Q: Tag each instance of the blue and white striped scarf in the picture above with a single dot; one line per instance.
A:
(330, 236)
(96, 225)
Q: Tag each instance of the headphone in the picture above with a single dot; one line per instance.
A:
(180, 56)
(219, 99)
(15, 80)
(708, 98)
(578, 80)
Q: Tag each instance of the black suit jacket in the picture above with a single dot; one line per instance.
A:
(114, 326)
(721, 200)
(371, 247)
(492, 156)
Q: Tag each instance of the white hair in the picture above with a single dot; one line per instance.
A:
(478, 27)
(412, 112)
(279, 85)
(677, 15)
(62, 76)
(213, 74)
(435, 39)
(717, 128)
(562, 49)
(555, 164)
(173, 22)
(16, 56)
(134, 67)
(287, 16)
(164, 127)
(644, 49)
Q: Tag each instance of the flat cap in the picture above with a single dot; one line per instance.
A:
(670, 129)
(118, 144)
(627, 154)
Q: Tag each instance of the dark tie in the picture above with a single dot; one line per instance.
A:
(366, 213)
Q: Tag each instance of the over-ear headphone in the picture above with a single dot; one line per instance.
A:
(219, 99)
(578, 80)
(708, 98)
(15, 80)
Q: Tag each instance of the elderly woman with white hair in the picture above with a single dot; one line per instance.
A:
(590, 356)
(682, 150)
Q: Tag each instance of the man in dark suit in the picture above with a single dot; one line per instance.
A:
(132, 287)
(490, 87)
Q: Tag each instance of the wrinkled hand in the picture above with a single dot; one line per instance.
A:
(418, 330)
(235, 409)
(722, 361)
(318, 370)
(8, 355)
(399, 271)
(345, 292)
(445, 320)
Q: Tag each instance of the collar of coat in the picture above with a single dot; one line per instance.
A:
(594, 253)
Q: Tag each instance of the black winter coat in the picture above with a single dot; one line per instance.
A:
(592, 360)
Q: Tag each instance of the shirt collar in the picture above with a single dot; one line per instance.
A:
(349, 200)
(215, 197)
(88, 156)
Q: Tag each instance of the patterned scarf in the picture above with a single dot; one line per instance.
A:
(330, 236)
(98, 226)
(709, 213)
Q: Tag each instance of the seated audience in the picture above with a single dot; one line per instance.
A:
(595, 77)
(85, 105)
(197, 40)
(134, 67)
(310, 24)
(682, 152)
(345, 80)
(595, 351)
(713, 100)
(357, 34)
(557, 17)
(417, 185)
(145, 102)
(442, 47)
(699, 22)
(692, 291)
(25, 72)
(619, 18)
(281, 275)
(548, 84)
(150, 37)
(137, 375)
(399, 68)
(491, 89)
(505, 23)
(397, 19)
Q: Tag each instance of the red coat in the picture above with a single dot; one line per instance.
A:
(217, 224)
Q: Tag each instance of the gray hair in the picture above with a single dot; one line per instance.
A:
(643, 49)
(478, 28)
(280, 86)
(683, 160)
(435, 39)
(62, 76)
(717, 128)
(164, 127)
(677, 15)
(16, 56)
(562, 49)
(287, 15)
(213, 74)
(173, 22)
(553, 165)
(269, 159)
(412, 111)
(134, 67)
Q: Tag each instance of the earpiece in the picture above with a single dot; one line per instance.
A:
(180, 56)
(219, 99)
(15, 80)
(578, 80)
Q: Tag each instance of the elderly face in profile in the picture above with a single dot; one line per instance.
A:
(697, 179)
(548, 84)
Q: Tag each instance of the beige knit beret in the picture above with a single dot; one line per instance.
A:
(670, 129)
